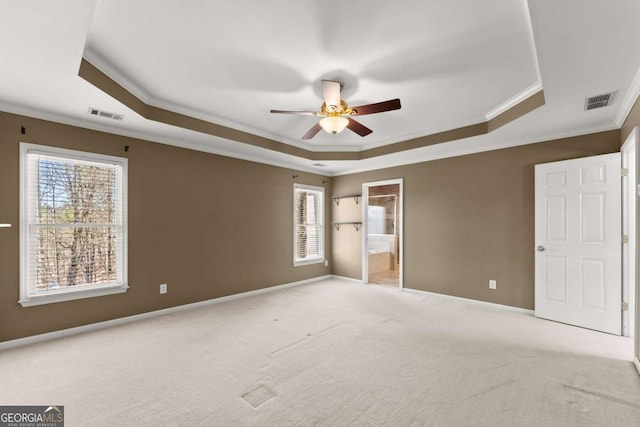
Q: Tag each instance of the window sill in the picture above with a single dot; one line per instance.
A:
(72, 295)
(299, 263)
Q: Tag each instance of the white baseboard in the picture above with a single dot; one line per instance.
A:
(123, 320)
(636, 362)
(472, 301)
(348, 279)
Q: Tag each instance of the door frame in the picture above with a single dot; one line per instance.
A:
(629, 223)
(399, 225)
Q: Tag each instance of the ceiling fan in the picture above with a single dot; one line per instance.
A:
(337, 114)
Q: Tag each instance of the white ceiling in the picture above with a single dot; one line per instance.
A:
(451, 62)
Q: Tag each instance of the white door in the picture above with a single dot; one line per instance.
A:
(578, 278)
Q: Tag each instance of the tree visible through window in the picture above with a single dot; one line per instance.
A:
(308, 218)
(73, 206)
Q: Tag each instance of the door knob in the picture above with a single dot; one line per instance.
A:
(540, 248)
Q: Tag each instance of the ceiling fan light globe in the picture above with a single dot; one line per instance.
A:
(334, 124)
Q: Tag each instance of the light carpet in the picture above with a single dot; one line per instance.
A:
(332, 353)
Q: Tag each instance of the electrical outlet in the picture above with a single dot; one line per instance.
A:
(492, 284)
(163, 288)
(326, 263)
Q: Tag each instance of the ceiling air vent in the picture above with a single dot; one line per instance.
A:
(598, 101)
(106, 114)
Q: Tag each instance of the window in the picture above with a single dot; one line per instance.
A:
(308, 233)
(73, 229)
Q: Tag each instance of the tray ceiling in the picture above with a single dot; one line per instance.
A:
(204, 75)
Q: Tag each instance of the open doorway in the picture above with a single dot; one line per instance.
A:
(382, 232)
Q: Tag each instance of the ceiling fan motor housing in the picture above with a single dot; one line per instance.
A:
(336, 110)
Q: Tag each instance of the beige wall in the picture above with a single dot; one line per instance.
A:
(633, 119)
(192, 223)
(207, 225)
(468, 219)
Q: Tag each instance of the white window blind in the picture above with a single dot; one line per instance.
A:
(74, 223)
(308, 224)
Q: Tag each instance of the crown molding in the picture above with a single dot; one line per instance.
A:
(104, 82)
(101, 64)
(512, 102)
(182, 143)
(418, 157)
(381, 162)
(629, 100)
(425, 133)
(532, 40)
(107, 69)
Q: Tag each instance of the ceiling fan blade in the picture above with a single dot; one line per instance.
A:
(378, 107)
(358, 127)
(313, 131)
(302, 113)
(331, 93)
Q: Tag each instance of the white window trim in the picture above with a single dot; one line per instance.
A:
(82, 291)
(320, 258)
